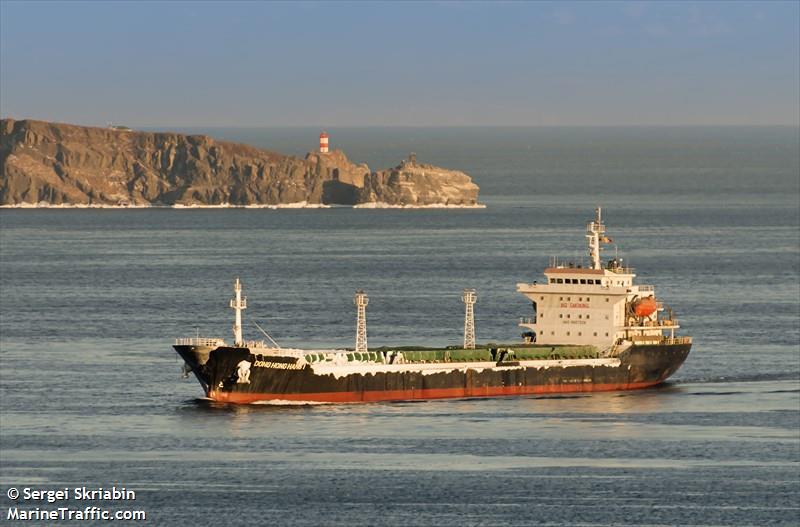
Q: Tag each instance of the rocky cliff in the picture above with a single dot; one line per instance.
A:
(61, 164)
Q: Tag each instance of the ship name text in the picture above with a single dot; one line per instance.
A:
(277, 365)
(574, 304)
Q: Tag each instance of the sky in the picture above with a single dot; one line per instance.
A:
(209, 63)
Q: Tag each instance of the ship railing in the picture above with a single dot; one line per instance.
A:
(527, 320)
(621, 270)
(258, 344)
(654, 339)
(680, 340)
(199, 341)
(663, 323)
(646, 288)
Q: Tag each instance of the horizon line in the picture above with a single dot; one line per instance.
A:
(323, 126)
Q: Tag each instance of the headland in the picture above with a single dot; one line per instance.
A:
(45, 164)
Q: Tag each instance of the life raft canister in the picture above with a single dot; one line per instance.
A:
(644, 307)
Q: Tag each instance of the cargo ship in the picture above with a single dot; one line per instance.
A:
(591, 328)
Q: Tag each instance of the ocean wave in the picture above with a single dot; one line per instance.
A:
(383, 205)
(285, 402)
(754, 377)
(44, 205)
(181, 206)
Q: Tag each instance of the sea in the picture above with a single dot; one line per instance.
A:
(91, 300)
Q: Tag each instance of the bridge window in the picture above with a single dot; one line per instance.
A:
(567, 315)
(595, 333)
(583, 281)
(587, 316)
(560, 315)
(559, 281)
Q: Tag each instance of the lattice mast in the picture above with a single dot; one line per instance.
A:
(361, 301)
(469, 298)
(238, 304)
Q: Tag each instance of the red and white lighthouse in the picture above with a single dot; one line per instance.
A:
(323, 142)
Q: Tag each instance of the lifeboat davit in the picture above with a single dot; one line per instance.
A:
(644, 307)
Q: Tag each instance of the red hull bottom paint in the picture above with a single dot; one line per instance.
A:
(409, 395)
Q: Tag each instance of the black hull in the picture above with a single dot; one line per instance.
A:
(283, 378)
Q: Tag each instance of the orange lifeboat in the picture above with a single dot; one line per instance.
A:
(644, 307)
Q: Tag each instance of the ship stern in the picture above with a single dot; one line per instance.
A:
(653, 363)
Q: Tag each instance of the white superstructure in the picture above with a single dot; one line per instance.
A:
(597, 305)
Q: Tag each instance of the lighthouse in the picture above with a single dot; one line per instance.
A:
(323, 143)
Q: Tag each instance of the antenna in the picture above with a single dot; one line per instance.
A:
(595, 231)
(267, 335)
(361, 301)
(469, 298)
(238, 304)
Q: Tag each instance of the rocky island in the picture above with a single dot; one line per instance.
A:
(54, 164)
